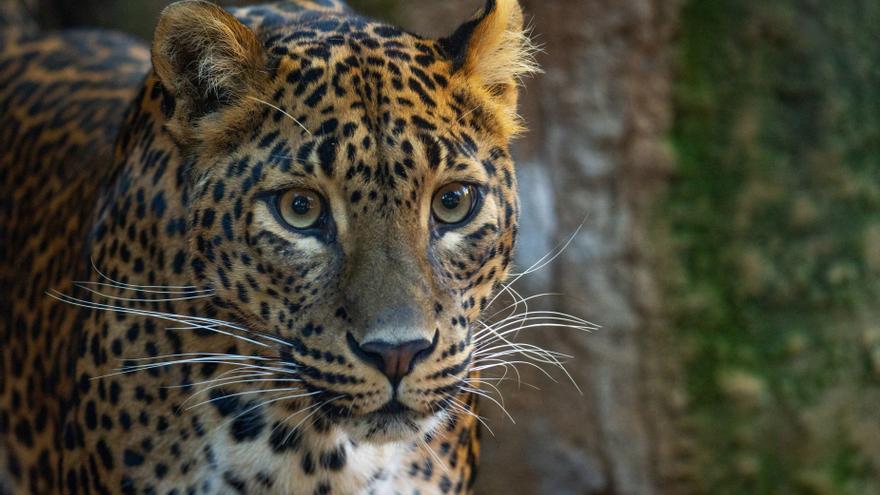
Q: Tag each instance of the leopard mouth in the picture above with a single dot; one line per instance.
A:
(395, 411)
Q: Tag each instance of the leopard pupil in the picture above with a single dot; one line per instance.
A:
(301, 205)
(451, 200)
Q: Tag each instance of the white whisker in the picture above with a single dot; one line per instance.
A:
(203, 354)
(434, 455)
(243, 380)
(505, 363)
(462, 408)
(490, 398)
(291, 117)
(142, 299)
(132, 286)
(146, 291)
(316, 407)
(249, 392)
(544, 261)
(231, 375)
(186, 320)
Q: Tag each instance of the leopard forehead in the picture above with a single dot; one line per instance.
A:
(358, 100)
(371, 120)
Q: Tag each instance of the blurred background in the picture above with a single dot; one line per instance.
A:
(726, 157)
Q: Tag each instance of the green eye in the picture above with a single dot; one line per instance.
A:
(453, 203)
(300, 208)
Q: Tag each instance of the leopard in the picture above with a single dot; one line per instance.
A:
(252, 257)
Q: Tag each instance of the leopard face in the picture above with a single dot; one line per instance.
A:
(353, 202)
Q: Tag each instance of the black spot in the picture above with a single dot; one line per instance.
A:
(224, 404)
(423, 124)
(490, 167)
(226, 222)
(316, 96)
(334, 460)
(321, 52)
(132, 458)
(284, 439)
(423, 95)
(179, 260)
(268, 139)
(249, 424)
(349, 129)
(308, 465)
(219, 190)
(304, 79)
(388, 31)
(158, 205)
(328, 127)
(91, 416)
(236, 483)
(125, 420)
(445, 484)
(208, 218)
(432, 150)
(105, 454)
(24, 434)
(327, 156)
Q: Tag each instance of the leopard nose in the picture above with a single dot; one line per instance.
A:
(394, 360)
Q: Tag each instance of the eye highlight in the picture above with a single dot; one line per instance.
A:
(300, 208)
(454, 203)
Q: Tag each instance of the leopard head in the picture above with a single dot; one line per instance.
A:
(349, 196)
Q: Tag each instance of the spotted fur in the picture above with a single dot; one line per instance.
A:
(163, 332)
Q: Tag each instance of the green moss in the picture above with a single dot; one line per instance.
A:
(778, 194)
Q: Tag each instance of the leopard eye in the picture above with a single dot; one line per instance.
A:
(453, 203)
(300, 208)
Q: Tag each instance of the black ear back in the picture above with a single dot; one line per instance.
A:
(456, 45)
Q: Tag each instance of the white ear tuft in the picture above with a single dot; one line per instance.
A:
(204, 56)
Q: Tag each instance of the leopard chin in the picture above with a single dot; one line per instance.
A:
(391, 424)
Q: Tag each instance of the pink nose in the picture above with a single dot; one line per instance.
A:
(394, 360)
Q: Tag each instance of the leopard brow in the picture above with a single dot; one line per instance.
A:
(470, 176)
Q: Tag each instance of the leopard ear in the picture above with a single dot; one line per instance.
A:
(205, 57)
(494, 49)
